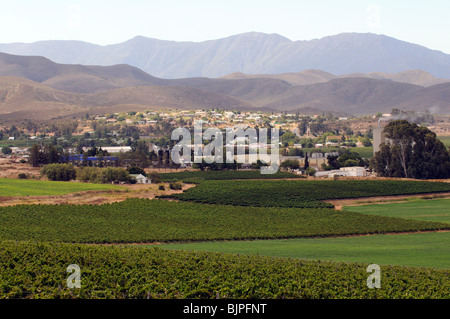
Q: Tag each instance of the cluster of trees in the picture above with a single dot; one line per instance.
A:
(48, 154)
(59, 172)
(140, 156)
(346, 158)
(13, 131)
(411, 151)
(102, 175)
(221, 166)
(105, 175)
(293, 164)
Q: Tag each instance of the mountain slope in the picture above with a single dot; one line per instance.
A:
(306, 77)
(74, 78)
(417, 77)
(35, 87)
(360, 96)
(252, 53)
(22, 99)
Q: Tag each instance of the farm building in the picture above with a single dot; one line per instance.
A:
(141, 179)
(345, 171)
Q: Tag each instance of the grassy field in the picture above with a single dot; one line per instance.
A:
(436, 210)
(19, 187)
(418, 250)
(445, 140)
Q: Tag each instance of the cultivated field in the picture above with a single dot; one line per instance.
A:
(38, 270)
(436, 210)
(312, 250)
(302, 193)
(20, 188)
(429, 249)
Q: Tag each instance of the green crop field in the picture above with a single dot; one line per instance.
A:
(436, 210)
(141, 220)
(301, 193)
(418, 250)
(19, 187)
(198, 176)
(38, 270)
(365, 152)
(305, 258)
(445, 140)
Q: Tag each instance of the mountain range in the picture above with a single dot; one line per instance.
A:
(35, 87)
(251, 53)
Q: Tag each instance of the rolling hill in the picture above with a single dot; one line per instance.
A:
(22, 99)
(307, 77)
(74, 78)
(35, 87)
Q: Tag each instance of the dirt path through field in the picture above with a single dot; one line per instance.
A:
(94, 197)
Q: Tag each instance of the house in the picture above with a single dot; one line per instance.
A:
(141, 179)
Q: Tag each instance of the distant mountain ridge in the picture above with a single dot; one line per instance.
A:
(250, 53)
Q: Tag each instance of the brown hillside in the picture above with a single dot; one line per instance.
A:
(306, 77)
(24, 99)
(74, 78)
(352, 95)
(416, 77)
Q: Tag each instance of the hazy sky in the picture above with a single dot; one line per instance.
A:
(108, 22)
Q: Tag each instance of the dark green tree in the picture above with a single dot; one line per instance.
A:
(306, 166)
(411, 151)
(6, 150)
(59, 172)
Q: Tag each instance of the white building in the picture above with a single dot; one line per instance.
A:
(344, 171)
(141, 179)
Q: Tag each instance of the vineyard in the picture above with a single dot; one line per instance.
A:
(301, 193)
(145, 221)
(38, 242)
(198, 176)
(38, 270)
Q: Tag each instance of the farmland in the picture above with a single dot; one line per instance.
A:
(17, 188)
(139, 220)
(38, 270)
(313, 251)
(416, 250)
(198, 176)
(437, 210)
(445, 140)
(301, 193)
